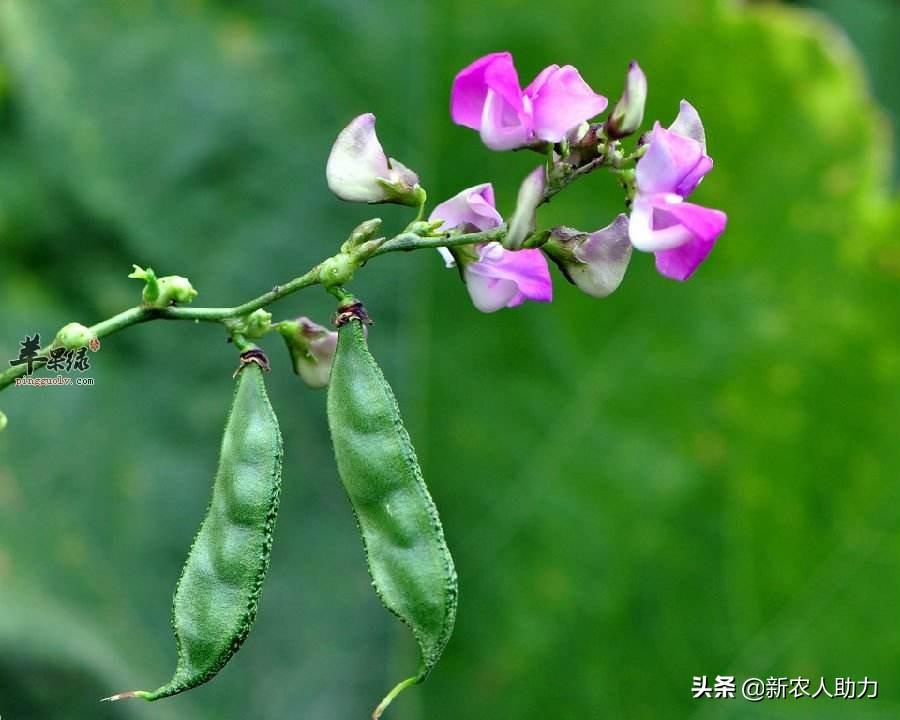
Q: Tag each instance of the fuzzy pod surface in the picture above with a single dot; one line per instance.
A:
(218, 593)
(408, 559)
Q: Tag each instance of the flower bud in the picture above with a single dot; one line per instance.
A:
(74, 336)
(361, 234)
(595, 262)
(531, 193)
(175, 289)
(311, 347)
(628, 114)
(164, 291)
(254, 325)
(359, 171)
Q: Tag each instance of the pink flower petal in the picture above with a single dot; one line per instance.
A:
(473, 207)
(680, 263)
(670, 159)
(502, 126)
(471, 85)
(503, 278)
(690, 181)
(689, 125)
(651, 228)
(502, 77)
(705, 226)
(490, 294)
(702, 221)
(562, 100)
(536, 84)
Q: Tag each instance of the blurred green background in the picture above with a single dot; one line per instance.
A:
(683, 479)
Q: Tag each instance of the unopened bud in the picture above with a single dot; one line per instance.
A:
(165, 291)
(628, 114)
(531, 193)
(74, 336)
(361, 234)
(254, 325)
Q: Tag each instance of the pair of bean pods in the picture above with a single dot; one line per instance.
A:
(217, 596)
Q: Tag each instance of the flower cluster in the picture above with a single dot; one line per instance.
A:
(487, 97)
(554, 115)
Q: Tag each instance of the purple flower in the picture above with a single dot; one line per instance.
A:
(495, 277)
(680, 234)
(359, 171)
(505, 278)
(487, 97)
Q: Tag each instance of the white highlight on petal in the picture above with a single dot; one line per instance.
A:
(501, 127)
(643, 225)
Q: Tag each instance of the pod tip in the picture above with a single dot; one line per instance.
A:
(126, 695)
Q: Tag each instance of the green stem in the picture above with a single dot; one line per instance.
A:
(219, 314)
(134, 316)
(411, 241)
(579, 172)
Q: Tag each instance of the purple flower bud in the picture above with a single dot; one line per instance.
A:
(531, 193)
(359, 171)
(487, 97)
(312, 349)
(628, 114)
(595, 262)
(680, 234)
(495, 277)
(469, 211)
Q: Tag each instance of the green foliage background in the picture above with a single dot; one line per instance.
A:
(679, 480)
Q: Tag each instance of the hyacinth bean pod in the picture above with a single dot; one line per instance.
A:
(408, 559)
(218, 593)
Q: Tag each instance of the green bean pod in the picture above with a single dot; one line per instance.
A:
(218, 593)
(408, 559)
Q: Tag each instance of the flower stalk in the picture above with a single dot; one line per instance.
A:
(405, 241)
